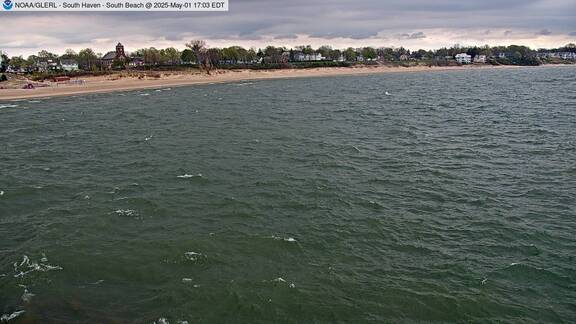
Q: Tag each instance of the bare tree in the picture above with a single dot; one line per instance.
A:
(198, 47)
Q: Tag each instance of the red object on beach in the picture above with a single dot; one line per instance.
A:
(61, 79)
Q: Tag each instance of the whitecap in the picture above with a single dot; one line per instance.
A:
(26, 266)
(8, 317)
(8, 106)
(148, 138)
(162, 320)
(188, 176)
(278, 280)
(286, 239)
(144, 94)
(186, 280)
(194, 256)
(1, 193)
(126, 212)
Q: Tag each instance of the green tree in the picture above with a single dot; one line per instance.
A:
(69, 54)
(188, 56)
(87, 59)
(18, 62)
(47, 55)
(172, 55)
(369, 53)
(4, 61)
(350, 54)
(325, 51)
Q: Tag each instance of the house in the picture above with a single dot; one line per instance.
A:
(45, 65)
(404, 57)
(136, 61)
(110, 57)
(301, 57)
(463, 58)
(480, 59)
(567, 55)
(501, 55)
(69, 65)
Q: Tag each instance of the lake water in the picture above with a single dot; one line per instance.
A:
(320, 200)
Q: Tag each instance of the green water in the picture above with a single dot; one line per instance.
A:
(320, 200)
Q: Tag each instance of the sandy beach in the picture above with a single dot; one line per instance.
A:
(129, 81)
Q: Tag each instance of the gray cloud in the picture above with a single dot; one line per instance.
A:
(544, 32)
(391, 22)
(417, 35)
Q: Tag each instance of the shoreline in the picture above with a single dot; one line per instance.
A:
(117, 83)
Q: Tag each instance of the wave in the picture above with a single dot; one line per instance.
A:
(195, 256)
(286, 239)
(5, 318)
(27, 266)
(189, 176)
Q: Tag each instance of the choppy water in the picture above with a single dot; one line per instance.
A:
(295, 201)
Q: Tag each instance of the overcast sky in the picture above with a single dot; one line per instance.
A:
(341, 23)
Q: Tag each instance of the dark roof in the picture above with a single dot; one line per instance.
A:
(109, 56)
(68, 61)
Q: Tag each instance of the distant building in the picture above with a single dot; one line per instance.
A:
(110, 57)
(480, 59)
(463, 58)
(301, 57)
(558, 55)
(567, 55)
(502, 55)
(404, 57)
(45, 65)
(136, 61)
(69, 65)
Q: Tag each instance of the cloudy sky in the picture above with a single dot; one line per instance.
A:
(341, 23)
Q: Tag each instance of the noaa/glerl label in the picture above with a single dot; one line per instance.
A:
(103, 5)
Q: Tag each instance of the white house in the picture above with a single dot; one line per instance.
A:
(301, 57)
(69, 65)
(567, 55)
(463, 58)
(480, 59)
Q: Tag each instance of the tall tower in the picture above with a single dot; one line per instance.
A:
(120, 50)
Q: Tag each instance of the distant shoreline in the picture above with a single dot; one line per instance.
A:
(122, 82)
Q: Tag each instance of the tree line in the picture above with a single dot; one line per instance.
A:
(198, 52)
